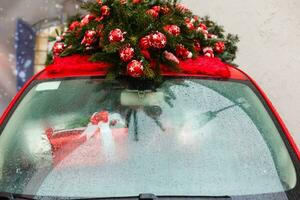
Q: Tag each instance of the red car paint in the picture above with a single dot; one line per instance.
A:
(78, 66)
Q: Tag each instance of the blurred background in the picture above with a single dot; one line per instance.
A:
(269, 49)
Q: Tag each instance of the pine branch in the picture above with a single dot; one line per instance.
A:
(49, 59)
(149, 73)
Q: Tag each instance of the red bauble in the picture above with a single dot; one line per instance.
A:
(135, 69)
(203, 26)
(58, 48)
(219, 47)
(105, 11)
(116, 35)
(156, 8)
(182, 8)
(152, 13)
(205, 32)
(183, 52)
(190, 24)
(136, 1)
(86, 19)
(212, 36)
(145, 42)
(172, 29)
(197, 46)
(126, 53)
(100, 2)
(74, 25)
(89, 38)
(158, 40)
(192, 20)
(171, 57)
(208, 52)
(196, 18)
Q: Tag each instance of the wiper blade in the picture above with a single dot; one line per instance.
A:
(11, 196)
(149, 196)
(195, 197)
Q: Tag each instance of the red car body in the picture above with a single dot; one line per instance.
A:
(80, 66)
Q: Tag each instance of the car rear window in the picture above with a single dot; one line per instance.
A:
(186, 137)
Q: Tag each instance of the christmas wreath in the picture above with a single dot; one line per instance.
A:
(139, 36)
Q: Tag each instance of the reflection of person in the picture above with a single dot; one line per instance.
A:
(104, 122)
(104, 137)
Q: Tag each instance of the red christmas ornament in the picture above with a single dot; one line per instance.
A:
(86, 19)
(171, 57)
(205, 32)
(219, 47)
(136, 1)
(135, 69)
(190, 24)
(183, 52)
(212, 36)
(158, 40)
(99, 2)
(116, 35)
(172, 29)
(153, 13)
(105, 11)
(156, 8)
(58, 48)
(89, 38)
(208, 52)
(182, 8)
(145, 42)
(74, 25)
(196, 18)
(126, 53)
(197, 46)
(203, 26)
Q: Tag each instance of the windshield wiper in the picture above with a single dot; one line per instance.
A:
(149, 196)
(144, 196)
(194, 197)
(11, 196)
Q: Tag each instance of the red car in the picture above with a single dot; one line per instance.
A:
(206, 133)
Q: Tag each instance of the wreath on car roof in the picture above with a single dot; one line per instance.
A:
(139, 36)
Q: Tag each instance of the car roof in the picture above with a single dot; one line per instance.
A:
(77, 65)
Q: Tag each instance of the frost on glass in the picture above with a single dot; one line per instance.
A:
(209, 138)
